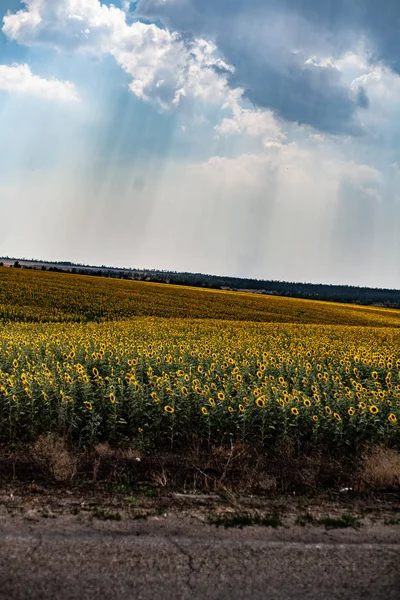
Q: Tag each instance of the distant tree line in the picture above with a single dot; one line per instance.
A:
(334, 293)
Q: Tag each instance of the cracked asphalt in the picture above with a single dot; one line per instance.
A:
(178, 557)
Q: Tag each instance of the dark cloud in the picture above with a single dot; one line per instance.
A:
(258, 38)
(307, 94)
(362, 98)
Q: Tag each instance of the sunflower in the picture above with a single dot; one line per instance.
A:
(260, 402)
(295, 411)
(112, 398)
(230, 409)
(241, 408)
(373, 409)
(392, 418)
(184, 391)
(328, 410)
(140, 430)
(169, 409)
(204, 410)
(95, 372)
(374, 375)
(221, 396)
(351, 411)
(362, 405)
(315, 418)
(88, 405)
(306, 402)
(337, 416)
(211, 401)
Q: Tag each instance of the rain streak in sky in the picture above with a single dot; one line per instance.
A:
(256, 139)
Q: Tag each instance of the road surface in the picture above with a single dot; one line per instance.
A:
(168, 557)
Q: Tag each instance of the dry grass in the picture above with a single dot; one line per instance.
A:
(381, 469)
(237, 469)
(51, 453)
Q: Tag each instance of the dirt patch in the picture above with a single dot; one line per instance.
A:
(100, 502)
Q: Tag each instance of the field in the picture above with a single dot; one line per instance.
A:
(258, 369)
(163, 365)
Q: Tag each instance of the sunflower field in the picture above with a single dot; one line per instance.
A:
(100, 360)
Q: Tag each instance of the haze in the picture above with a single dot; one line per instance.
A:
(256, 139)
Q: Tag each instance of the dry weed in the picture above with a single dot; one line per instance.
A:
(51, 453)
(381, 469)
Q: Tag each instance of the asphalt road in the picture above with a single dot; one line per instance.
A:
(171, 559)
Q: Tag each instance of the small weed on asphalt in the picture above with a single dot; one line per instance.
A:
(106, 515)
(339, 522)
(305, 519)
(246, 520)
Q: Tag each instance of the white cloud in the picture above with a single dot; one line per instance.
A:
(297, 167)
(252, 122)
(374, 82)
(20, 79)
(164, 68)
(84, 24)
(353, 62)
(382, 86)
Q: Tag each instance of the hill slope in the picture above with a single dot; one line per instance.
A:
(36, 296)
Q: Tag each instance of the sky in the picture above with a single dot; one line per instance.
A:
(253, 139)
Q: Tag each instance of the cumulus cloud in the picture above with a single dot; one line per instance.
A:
(298, 167)
(266, 41)
(165, 68)
(66, 24)
(20, 79)
(252, 122)
(374, 85)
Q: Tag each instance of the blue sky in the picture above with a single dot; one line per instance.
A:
(256, 138)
